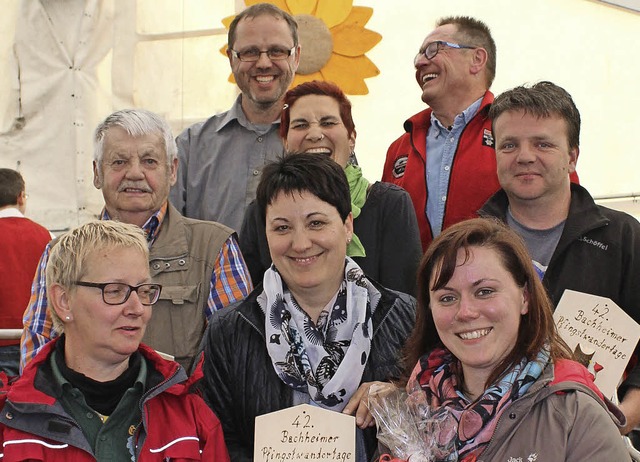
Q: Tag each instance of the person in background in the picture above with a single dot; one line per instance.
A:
(96, 393)
(21, 244)
(446, 158)
(574, 243)
(485, 348)
(198, 263)
(316, 330)
(386, 242)
(221, 158)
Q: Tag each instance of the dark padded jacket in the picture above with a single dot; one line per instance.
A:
(240, 382)
(598, 253)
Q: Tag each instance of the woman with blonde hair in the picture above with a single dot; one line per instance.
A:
(96, 392)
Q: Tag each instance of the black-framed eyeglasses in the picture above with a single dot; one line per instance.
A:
(432, 49)
(253, 54)
(117, 293)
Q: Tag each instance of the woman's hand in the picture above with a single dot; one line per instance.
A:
(357, 405)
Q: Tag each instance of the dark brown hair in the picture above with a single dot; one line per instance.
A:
(300, 172)
(541, 100)
(11, 186)
(537, 327)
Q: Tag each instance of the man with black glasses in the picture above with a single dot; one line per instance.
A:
(446, 159)
(221, 158)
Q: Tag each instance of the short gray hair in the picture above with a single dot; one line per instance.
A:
(136, 122)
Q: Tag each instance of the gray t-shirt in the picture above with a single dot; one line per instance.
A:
(541, 243)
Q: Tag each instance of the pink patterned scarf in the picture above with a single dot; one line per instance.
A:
(438, 374)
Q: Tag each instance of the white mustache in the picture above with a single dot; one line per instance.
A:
(134, 185)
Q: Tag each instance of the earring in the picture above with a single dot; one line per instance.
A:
(67, 318)
(348, 240)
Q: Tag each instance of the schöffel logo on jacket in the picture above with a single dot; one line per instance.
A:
(399, 166)
(533, 457)
(593, 242)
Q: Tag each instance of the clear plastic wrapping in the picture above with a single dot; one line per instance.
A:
(410, 428)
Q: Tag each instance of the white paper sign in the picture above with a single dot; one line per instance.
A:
(600, 333)
(303, 433)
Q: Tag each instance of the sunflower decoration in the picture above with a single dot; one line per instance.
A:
(333, 40)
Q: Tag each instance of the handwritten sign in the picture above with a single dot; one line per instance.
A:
(600, 333)
(305, 432)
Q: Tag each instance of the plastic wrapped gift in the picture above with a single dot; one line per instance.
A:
(409, 428)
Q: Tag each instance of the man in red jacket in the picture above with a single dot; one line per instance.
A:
(455, 67)
(21, 244)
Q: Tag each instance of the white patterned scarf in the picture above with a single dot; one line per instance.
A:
(324, 359)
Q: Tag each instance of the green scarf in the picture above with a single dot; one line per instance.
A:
(358, 187)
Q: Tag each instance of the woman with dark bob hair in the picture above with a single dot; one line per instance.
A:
(316, 119)
(485, 348)
(316, 330)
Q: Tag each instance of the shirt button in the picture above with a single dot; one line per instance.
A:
(444, 198)
(446, 168)
(451, 139)
(259, 139)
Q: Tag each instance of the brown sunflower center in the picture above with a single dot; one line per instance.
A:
(316, 42)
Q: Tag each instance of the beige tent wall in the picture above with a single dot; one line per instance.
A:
(164, 55)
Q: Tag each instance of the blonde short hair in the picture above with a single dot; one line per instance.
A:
(69, 254)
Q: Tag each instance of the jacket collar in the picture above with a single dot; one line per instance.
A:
(171, 240)
(418, 125)
(584, 214)
(36, 384)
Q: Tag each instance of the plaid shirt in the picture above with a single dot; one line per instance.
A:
(230, 282)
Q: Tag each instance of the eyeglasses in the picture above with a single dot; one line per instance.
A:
(253, 54)
(433, 48)
(116, 293)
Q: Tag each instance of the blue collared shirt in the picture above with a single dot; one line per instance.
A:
(442, 143)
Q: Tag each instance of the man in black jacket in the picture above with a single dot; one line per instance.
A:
(574, 243)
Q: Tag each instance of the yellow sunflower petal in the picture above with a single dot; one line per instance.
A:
(282, 4)
(301, 6)
(353, 40)
(365, 67)
(223, 50)
(299, 78)
(349, 73)
(333, 12)
(227, 21)
(359, 15)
